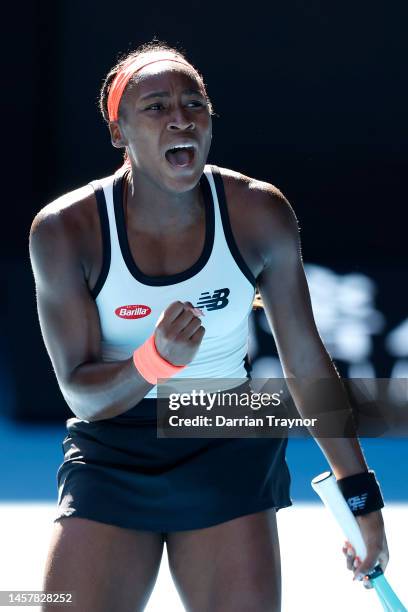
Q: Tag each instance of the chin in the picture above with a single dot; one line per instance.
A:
(181, 180)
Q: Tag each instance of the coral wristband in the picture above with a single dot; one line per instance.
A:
(151, 365)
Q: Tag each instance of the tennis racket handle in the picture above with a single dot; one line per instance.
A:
(326, 487)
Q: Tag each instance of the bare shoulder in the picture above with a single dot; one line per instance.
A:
(65, 212)
(68, 222)
(60, 231)
(256, 197)
(263, 207)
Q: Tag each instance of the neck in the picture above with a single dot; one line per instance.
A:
(149, 206)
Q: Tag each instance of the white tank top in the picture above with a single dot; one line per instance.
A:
(219, 282)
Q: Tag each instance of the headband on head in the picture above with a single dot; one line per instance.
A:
(123, 77)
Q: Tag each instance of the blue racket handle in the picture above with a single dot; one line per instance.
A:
(387, 596)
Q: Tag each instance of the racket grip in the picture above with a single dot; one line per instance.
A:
(326, 487)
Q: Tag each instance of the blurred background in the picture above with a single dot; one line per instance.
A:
(310, 96)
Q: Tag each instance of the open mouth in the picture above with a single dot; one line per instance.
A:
(181, 156)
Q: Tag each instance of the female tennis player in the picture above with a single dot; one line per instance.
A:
(152, 273)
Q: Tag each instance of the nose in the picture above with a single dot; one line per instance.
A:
(180, 121)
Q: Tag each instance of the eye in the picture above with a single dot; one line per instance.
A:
(156, 105)
(153, 106)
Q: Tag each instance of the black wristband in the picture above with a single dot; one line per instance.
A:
(361, 492)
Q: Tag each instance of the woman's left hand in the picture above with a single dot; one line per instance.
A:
(372, 529)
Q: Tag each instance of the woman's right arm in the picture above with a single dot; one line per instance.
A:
(70, 326)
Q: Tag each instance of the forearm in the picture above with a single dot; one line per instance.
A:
(319, 392)
(344, 455)
(104, 390)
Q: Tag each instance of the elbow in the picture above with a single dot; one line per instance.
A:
(75, 406)
(84, 405)
(310, 360)
(77, 395)
(78, 405)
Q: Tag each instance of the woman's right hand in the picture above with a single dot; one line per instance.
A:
(179, 333)
(372, 530)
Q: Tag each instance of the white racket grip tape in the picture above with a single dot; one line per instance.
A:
(326, 487)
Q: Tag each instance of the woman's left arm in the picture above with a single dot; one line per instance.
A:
(304, 358)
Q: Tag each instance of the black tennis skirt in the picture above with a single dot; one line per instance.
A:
(117, 471)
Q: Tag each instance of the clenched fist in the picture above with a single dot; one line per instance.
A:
(179, 333)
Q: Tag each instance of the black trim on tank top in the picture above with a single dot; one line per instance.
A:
(106, 245)
(229, 236)
(124, 243)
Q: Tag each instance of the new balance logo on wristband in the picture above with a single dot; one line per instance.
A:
(357, 502)
(361, 503)
(215, 301)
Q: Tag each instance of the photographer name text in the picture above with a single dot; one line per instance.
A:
(221, 421)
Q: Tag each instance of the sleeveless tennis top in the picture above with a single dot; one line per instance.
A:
(219, 282)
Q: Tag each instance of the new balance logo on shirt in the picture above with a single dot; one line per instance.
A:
(357, 502)
(215, 301)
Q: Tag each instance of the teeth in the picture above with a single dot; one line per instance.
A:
(182, 146)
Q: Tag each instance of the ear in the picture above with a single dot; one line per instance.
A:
(117, 139)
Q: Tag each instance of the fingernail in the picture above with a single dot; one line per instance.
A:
(358, 577)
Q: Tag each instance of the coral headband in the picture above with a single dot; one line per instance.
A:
(123, 77)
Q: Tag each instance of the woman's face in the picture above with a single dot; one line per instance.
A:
(166, 107)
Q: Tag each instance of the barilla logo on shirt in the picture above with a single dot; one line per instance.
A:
(134, 311)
